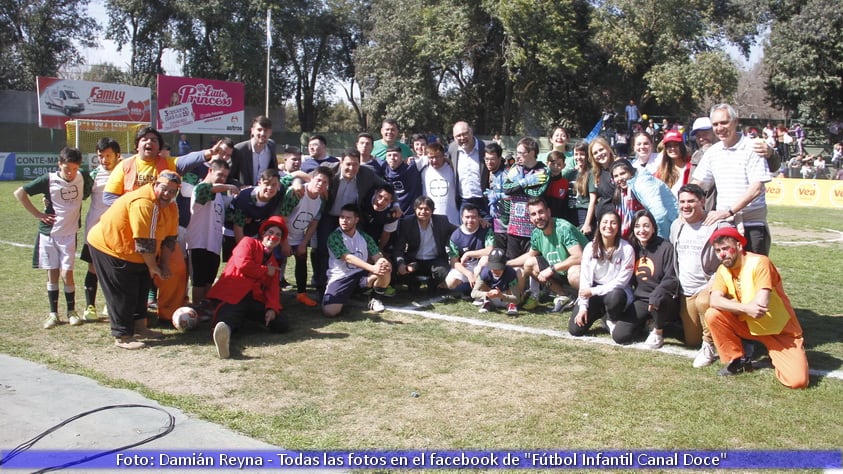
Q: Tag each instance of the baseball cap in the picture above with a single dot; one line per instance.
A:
(672, 136)
(702, 123)
(497, 260)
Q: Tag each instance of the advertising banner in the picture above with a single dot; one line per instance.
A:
(804, 192)
(190, 105)
(60, 100)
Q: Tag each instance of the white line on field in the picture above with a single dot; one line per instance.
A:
(687, 353)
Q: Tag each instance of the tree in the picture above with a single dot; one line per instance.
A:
(37, 39)
(804, 59)
(105, 73)
(143, 25)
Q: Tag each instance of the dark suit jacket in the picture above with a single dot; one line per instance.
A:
(453, 154)
(408, 239)
(242, 168)
(366, 181)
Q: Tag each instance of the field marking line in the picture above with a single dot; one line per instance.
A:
(679, 351)
(688, 353)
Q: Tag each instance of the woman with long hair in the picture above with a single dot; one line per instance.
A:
(637, 190)
(605, 275)
(645, 156)
(579, 191)
(655, 282)
(600, 157)
(675, 166)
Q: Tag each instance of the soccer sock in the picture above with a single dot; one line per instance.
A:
(53, 297)
(534, 287)
(70, 297)
(90, 289)
(378, 291)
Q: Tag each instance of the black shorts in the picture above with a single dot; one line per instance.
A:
(86, 254)
(557, 277)
(204, 266)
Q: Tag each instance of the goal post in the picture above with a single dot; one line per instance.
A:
(85, 133)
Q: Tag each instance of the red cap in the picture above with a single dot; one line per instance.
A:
(728, 231)
(673, 136)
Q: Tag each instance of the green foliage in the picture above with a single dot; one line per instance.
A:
(143, 26)
(805, 60)
(37, 39)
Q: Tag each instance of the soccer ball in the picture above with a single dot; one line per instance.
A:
(185, 318)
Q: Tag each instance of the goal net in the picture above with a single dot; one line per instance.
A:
(84, 135)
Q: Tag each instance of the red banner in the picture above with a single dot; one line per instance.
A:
(190, 105)
(60, 100)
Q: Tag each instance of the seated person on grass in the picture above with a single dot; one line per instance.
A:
(420, 246)
(497, 285)
(355, 262)
(248, 287)
(468, 244)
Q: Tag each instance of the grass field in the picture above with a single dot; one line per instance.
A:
(404, 381)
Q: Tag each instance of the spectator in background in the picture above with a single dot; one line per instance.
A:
(632, 114)
(798, 135)
(837, 155)
(184, 145)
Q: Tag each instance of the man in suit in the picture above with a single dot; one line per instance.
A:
(253, 156)
(421, 245)
(466, 153)
(351, 183)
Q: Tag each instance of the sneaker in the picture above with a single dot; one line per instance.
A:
(222, 335)
(737, 366)
(654, 340)
(73, 318)
(306, 300)
(105, 311)
(90, 313)
(479, 302)
(512, 310)
(376, 305)
(561, 303)
(706, 356)
(129, 343)
(530, 303)
(52, 321)
(487, 306)
(284, 285)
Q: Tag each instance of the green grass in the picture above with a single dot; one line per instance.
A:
(347, 383)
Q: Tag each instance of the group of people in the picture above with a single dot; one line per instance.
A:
(635, 243)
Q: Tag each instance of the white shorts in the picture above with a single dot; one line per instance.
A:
(56, 252)
(458, 275)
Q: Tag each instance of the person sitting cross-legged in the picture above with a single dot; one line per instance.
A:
(355, 262)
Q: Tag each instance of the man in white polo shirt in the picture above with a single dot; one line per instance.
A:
(739, 174)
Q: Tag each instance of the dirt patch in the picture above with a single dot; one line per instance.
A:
(784, 235)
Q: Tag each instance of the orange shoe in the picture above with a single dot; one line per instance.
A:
(306, 300)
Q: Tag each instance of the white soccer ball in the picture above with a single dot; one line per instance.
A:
(185, 318)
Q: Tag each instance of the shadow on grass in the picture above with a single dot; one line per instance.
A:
(820, 330)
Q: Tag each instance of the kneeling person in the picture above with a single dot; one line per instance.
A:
(497, 286)
(355, 262)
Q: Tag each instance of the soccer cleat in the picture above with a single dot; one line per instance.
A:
(654, 340)
(73, 318)
(222, 335)
(512, 310)
(90, 313)
(52, 321)
(530, 303)
(561, 303)
(706, 356)
(376, 305)
(306, 300)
